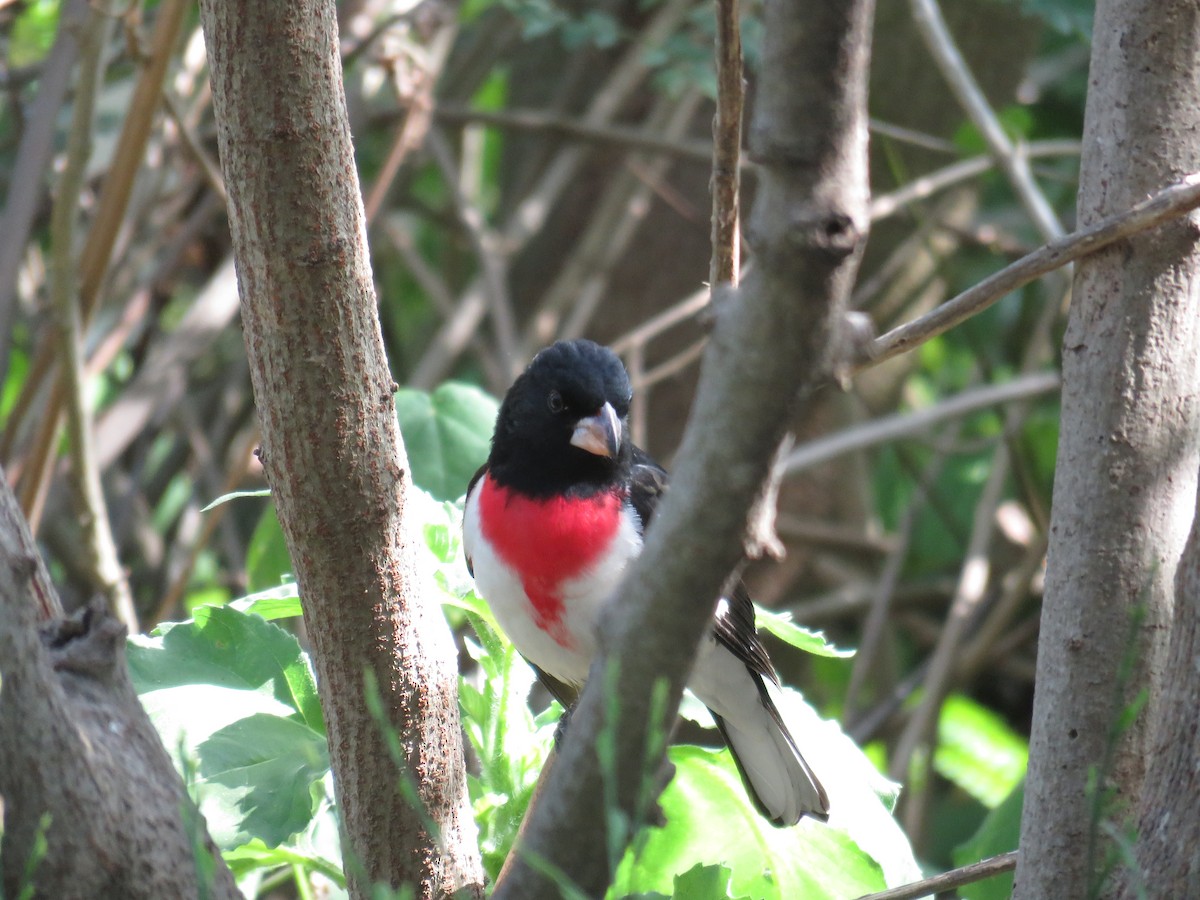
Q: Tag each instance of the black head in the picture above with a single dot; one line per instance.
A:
(563, 425)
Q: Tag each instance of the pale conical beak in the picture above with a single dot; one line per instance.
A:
(599, 434)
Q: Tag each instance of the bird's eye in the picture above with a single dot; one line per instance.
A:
(555, 402)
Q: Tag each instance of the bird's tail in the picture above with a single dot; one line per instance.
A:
(776, 776)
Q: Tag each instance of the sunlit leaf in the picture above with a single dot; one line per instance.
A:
(267, 560)
(236, 495)
(978, 751)
(806, 639)
(712, 823)
(281, 602)
(446, 435)
(227, 648)
(258, 777)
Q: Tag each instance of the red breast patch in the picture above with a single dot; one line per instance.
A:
(548, 542)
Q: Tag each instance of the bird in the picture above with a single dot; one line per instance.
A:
(551, 520)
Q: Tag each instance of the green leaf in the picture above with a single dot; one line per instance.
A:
(259, 779)
(702, 882)
(998, 833)
(255, 854)
(267, 559)
(228, 648)
(187, 715)
(446, 434)
(861, 850)
(281, 602)
(810, 860)
(782, 626)
(236, 495)
(978, 751)
(32, 32)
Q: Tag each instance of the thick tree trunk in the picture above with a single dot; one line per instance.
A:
(771, 338)
(77, 747)
(331, 448)
(1125, 487)
(1168, 833)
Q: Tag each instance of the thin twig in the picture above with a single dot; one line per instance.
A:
(493, 261)
(973, 580)
(192, 144)
(968, 593)
(727, 147)
(685, 309)
(899, 425)
(640, 139)
(948, 881)
(106, 574)
(34, 155)
(926, 186)
(844, 538)
(878, 616)
(235, 476)
(414, 88)
(1015, 590)
(1167, 204)
(674, 365)
(912, 136)
(927, 16)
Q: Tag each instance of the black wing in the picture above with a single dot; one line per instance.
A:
(734, 623)
(647, 484)
(734, 627)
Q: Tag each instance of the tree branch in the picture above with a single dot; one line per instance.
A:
(725, 266)
(76, 744)
(948, 881)
(901, 425)
(932, 27)
(331, 446)
(1168, 203)
(1125, 480)
(105, 572)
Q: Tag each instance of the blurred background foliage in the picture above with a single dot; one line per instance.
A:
(538, 169)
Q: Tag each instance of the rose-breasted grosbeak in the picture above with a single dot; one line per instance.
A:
(551, 521)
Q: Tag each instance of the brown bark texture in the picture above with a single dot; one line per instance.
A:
(770, 339)
(1125, 483)
(79, 760)
(331, 447)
